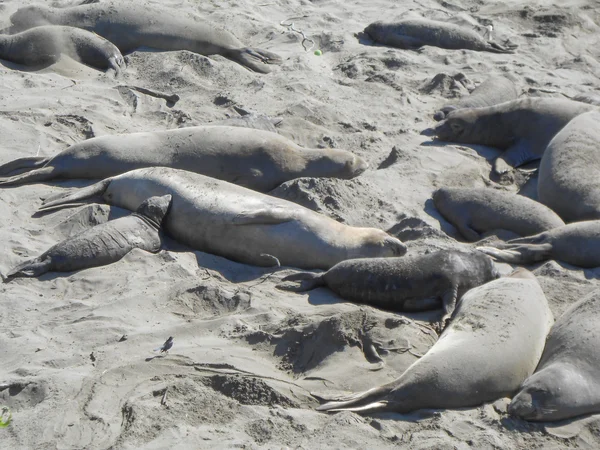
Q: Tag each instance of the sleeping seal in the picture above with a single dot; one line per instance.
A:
(494, 90)
(412, 283)
(522, 127)
(256, 159)
(44, 45)
(474, 211)
(130, 26)
(103, 244)
(415, 33)
(566, 383)
(492, 344)
(568, 175)
(224, 219)
(577, 243)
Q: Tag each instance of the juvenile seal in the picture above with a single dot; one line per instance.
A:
(256, 159)
(492, 91)
(492, 344)
(224, 219)
(130, 26)
(576, 243)
(412, 283)
(522, 127)
(43, 46)
(568, 175)
(103, 244)
(415, 33)
(475, 211)
(566, 382)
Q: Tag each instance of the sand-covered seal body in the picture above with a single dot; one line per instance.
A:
(131, 26)
(103, 244)
(43, 45)
(523, 127)
(568, 180)
(492, 344)
(224, 219)
(492, 91)
(475, 211)
(566, 382)
(403, 284)
(256, 159)
(415, 33)
(576, 243)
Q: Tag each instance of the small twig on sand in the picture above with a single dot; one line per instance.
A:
(170, 98)
(163, 401)
(290, 27)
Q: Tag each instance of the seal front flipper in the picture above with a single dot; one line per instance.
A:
(449, 302)
(468, 233)
(516, 155)
(519, 254)
(266, 216)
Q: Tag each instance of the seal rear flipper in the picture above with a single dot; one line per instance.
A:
(449, 302)
(74, 196)
(516, 155)
(368, 400)
(43, 174)
(263, 216)
(254, 58)
(23, 163)
(520, 254)
(371, 407)
(32, 268)
(308, 281)
(497, 48)
(467, 232)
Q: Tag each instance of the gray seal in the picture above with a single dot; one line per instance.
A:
(224, 219)
(256, 159)
(568, 175)
(492, 344)
(43, 46)
(566, 383)
(475, 211)
(130, 26)
(576, 243)
(523, 127)
(415, 33)
(103, 244)
(414, 283)
(492, 91)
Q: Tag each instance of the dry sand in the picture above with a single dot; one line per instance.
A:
(246, 356)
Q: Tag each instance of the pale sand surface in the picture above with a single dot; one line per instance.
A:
(246, 355)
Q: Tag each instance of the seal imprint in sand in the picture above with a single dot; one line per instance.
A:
(493, 343)
(103, 244)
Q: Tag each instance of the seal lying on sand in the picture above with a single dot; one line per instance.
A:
(44, 45)
(493, 343)
(103, 244)
(414, 33)
(473, 211)
(130, 26)
(403, 284)
(221, 218)
(523, 127)
(566, 383)
(568, 176)
(494, 90)
(577, 243)
(256, 159)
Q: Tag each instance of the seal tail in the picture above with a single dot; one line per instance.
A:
(43, 174)
(307, 281)
(23, 163)
(254, 58)
(75, 196)
(519, 254)
(369, 401)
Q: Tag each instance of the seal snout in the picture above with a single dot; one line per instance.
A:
(522, 406)
(358, 166)
(397, 247)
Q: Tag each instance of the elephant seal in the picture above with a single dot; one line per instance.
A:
(474, 211)
(43, 46)
(130, 26)
(256, 159)
(576, 243)
(415, 33)
(568, 174)
(413, 283)
(566, 382)
(492, 91)
(492, 344)
(224, 219)
(103, 244)
(522, 127)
